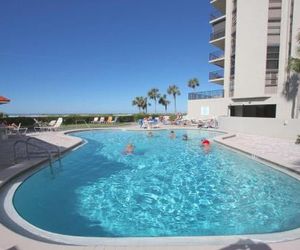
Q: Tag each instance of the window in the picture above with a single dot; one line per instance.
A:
(204, 110)
(266, 111)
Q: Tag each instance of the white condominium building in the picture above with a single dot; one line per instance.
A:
(253, 41)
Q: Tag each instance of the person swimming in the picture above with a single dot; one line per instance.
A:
(205, 144)
(185, 137)
(129, 149)
(150, 134)
(172, 135)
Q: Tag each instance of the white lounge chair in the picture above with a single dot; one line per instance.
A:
(17, 130)
(96, 119)
(45, 128)
(115, 120)
(102, 119)
(57, 124)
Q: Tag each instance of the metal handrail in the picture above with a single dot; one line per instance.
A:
(206, 94)
(216, 14)
(57, 148)
(216, 74)
(216, 55)
(217, 34)
(27, 151)
(27, 143)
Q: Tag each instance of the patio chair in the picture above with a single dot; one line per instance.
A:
(166, 120)
(45, 128)
(109, 119)
(115, 120)
(95, 120)
(57, 124)
(18, 130)
(102, 119)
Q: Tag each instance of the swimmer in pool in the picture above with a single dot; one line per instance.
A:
(172, 135)
(150, 134)
(185, 137)
(205, 144)
(129, 149)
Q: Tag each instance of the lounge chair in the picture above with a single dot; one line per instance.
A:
(18, 130)
(109, 119)
(156, 122)
(102, 119)
(115, 120)
(57, 124)
(211, 123)
(166, 120)
(45, 128)
(95, 120)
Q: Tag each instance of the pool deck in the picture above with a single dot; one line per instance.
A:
(278, 151)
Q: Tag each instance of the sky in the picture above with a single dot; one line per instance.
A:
(95, 56)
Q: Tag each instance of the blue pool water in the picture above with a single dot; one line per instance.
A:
(169, 187)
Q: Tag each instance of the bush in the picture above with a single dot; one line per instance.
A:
(73, 119)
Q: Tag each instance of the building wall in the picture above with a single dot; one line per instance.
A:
(288, 129)
(251, 48)
(217, 107)
(227, 50)
(250, 61)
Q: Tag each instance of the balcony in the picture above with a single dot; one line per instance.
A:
(219, 4)
(217, 58)
(206, 95)
(217, 76)
(217, 38)
(216, 15)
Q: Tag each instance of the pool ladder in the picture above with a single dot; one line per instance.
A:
(40, 153)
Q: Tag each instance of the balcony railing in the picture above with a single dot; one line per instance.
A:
(216, 55)
(216, 14)
(207, 94)
(216, 75)
(217, 34)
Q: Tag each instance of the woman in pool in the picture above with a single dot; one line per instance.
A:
(129, 149)
(172, 135)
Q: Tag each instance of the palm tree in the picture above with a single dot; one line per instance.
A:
(164, 101)
(193, 83)
(294, 63)
(154, 95)
(174, 90)
(291, 88)
(139, 102)
(145, 104)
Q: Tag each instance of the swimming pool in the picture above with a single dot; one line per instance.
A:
(168, 187)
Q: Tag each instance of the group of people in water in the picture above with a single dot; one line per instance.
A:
(204, 143)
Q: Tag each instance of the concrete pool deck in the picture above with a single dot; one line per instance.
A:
(279, 151)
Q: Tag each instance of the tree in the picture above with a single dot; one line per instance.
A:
(145, 104)
(164, 101)
(139, 101)
(193, 83)
(291, 88)
(174, 91)
(154, 95)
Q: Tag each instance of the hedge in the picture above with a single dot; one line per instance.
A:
(73, 119)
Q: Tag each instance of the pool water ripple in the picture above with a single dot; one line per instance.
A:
(168, 187)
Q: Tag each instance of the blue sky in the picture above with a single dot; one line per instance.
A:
(95, 56)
